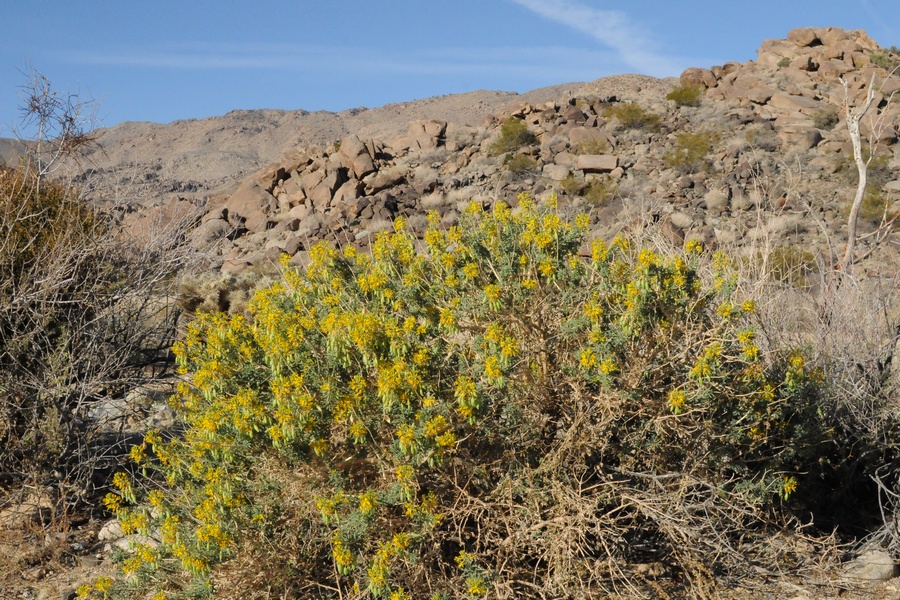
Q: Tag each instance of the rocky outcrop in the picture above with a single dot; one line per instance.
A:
(776, 169)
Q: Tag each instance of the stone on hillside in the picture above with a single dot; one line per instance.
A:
(209, 232)
(565, 158)
(292, 187)
(805, 36)
(790, 102)
(301, 211)
(556, 172)
(354, 155)
(804, 63)
(596, 163)
(422, 135)
(737, 87)
(831, 36)
(694, 76)
(761, 94)
(321, 185)
(110, 531)
(384, 179)
(251, 205)
(771, 52)
(348, 192)
(587, 136)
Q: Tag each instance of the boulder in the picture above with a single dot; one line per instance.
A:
(596, 163)
(556, 172)
(384, 179)
(694, 76)
(355, 157)
(209, 232)
(790, 102)
(251, 205)
(805, 36)
(587, 136)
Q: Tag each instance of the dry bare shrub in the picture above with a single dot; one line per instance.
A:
(86, 315)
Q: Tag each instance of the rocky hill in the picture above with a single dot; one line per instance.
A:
(738, 155)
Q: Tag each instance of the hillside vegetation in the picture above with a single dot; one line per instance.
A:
(614, 344)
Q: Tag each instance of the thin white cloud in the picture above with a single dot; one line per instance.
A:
(546, 62)
(613, 28)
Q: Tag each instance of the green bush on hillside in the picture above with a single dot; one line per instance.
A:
(686, 95)
(513, 135)
(691, 152)
(494, 415)
(632, 115)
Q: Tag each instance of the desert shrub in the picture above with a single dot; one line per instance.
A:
(826, 118)
(519, 163)
(599, 192)
(883, 60)
(690, 153)
(686, 95)
(784, 62)
(878, 173)
(763, 137)
(84, 313)
(789, 264)
(571, 185)
(513, 135)
(632, 115)
(495, 416)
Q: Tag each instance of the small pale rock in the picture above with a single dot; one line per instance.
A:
(873, 565)
(111, 530)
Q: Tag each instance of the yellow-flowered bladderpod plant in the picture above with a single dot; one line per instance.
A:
(445, 410)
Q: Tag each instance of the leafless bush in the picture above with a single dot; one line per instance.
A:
(86, 315)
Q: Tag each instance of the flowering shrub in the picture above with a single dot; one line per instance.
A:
(500, 413)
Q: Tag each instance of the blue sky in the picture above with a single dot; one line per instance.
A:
(162, 60)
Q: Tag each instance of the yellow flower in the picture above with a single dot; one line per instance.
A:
(676, 400)
(529, 284)
(546, 267)
(447, 319)
(103, 584)
(588, 359)
(112, 502)
(470, 270)
(693, 247)
(358, 432)
(492, 293)
(475, 586)
(725, 310)
(368, 502)
(582, 221)
(137, 454)
(599, 251)
(492, 368)
(608, 367)
(788, 486)
(404, 473)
